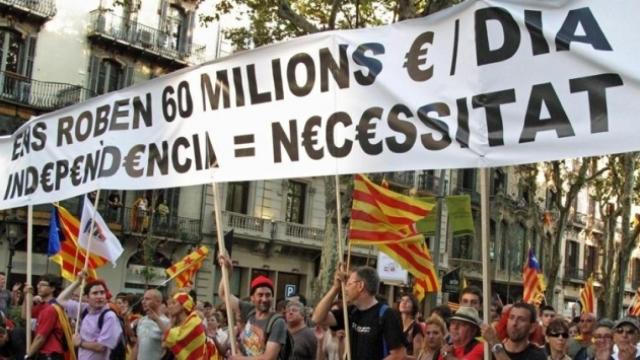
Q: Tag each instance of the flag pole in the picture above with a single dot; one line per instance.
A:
(87, 253)
(484, 216)
(347, 337)
(225, 274)
(29, 271)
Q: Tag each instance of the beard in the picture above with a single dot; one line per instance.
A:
(517, 335)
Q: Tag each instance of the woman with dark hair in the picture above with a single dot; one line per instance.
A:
(408, 308)
(435, 332)
(557, 335)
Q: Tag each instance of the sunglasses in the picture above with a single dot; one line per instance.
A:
(626, 331)
(564, 335)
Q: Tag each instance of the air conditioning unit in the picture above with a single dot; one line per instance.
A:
(145, 38)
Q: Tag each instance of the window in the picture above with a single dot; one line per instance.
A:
(176, 19)
(462, 247)
(572, 256)
(11, 45)
(110, 76)
(518, 252)
(498, 181)
(590, 259)
(505, 246)
(238, 197)
(466, 180)
(296, 196)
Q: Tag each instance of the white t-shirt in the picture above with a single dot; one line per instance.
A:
(150, 338)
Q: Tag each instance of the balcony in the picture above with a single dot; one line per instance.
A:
(405, 179)
(429, 183)
(473, 194)
(170, 226)
(141, 40)
(38, 11)
(572, 273)
(43, 96)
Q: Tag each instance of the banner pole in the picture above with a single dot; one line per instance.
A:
(484, 217)
(86, 254)
(29, 271)
(225, 273)
(345, 316)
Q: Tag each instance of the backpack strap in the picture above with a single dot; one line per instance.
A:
(381, 311)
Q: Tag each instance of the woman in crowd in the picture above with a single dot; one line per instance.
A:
(408, 308)
(435, 331)
(557, 335)
(603, 340)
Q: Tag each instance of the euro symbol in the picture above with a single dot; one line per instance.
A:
(417, 56)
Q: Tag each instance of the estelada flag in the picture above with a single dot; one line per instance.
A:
(634, 308)
(184, 270)
(63, 246)
(533, 282)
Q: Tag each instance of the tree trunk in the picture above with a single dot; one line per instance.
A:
(329, 256)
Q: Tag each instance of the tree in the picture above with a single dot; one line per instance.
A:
(276, 20)
(563, 181)
(615, 194)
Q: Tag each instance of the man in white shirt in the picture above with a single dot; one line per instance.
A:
(149, 329)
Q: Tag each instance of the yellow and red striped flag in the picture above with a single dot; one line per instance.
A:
(184, 270)
(533, 282)
(634, 308)
(63, 246)
(387, 219)
(588, 297)
(454, 306)
(188, 340)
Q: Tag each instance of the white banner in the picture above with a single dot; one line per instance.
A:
(390, 271)
(485, 83)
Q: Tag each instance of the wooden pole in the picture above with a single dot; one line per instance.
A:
(486, 282)
(225, 273)
(345, 315)
(87, 253)
(29, 271)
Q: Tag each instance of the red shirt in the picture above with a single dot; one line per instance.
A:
(476, 353)
(49, 328)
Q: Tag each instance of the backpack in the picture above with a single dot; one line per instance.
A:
(120, 351)
(286, 350)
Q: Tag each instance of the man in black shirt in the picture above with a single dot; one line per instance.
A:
(516, 346)
(375, 330)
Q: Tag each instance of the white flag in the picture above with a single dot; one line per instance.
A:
(103, 242)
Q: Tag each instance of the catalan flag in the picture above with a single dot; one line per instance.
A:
(634, 309)
(184, 270)
(188, 340)
(63, 246)
(533, 281)
(588, 297)
(387, 219)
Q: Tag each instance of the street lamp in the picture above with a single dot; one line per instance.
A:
(12, 230)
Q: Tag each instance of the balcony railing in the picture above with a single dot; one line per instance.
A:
(143, 38)
(573, 273)
(40, 95)
(428, 183)
(170, 226)
(44, 9)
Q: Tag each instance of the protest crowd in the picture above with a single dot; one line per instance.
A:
(155, 327)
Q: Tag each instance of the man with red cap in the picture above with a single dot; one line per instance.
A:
(257, 339)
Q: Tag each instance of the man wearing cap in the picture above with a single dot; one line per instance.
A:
(255, 342)
(626, 335)
(375, 332)
(464, 327)
(521, 323)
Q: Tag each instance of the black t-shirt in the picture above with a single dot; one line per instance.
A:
(409, 334)
(367, 331)
(531, 352)
(15, 346)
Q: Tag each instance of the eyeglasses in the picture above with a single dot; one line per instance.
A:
(43, 284)
(564, 335)
(626, 331)
(603, 337)
(586, 320)
(349, 283)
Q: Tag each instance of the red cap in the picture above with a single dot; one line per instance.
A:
(261, 281)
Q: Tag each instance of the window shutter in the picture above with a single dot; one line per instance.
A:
(27, 55)
(188, 32)
(128, 75)
(94, 68)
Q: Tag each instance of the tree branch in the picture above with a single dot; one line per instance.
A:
(334, 12)
(287, 13)
(406, 10)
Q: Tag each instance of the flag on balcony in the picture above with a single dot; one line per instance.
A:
(63, 246)
(428, 225)
(103, 242)
(459, 209)
(634, 308)
(588, 297)
(533, 282)
(388, 220)
(184, 270)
